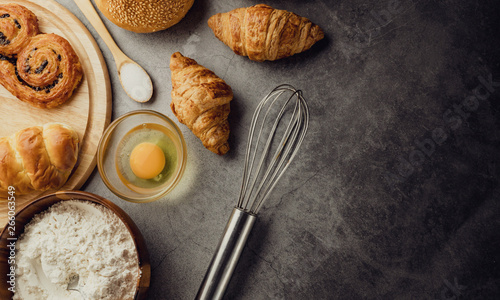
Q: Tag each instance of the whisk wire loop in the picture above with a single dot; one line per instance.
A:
(290, 145)
(275, 170)
(259, 168)
(259, 181)
(277, 162)
(251, 160)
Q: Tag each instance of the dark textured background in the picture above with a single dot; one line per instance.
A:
(395, 193)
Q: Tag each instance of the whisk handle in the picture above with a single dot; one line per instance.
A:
(226, 257)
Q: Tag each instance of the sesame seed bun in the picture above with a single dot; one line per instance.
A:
(144, 15)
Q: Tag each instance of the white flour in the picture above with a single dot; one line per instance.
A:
(76, 238)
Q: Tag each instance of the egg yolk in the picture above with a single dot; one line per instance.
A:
(147, 160)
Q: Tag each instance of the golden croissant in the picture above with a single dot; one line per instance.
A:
(264, 33)
(200, 100)
(37, 158)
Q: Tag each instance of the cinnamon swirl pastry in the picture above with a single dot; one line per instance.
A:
(45, 73)
(17, 26)
(41, 69)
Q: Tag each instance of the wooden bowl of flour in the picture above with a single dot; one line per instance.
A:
(26, 214)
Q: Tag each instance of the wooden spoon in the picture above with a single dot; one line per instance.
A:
(134, 79)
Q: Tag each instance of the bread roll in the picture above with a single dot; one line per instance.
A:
(144, 15)
(37, 158)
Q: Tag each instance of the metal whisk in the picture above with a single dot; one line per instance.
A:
(259, 177)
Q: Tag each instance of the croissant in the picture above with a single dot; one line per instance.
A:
(264, 33)
(200, 100)
(37, 158)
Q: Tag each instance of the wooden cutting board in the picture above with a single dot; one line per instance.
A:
(89, 109)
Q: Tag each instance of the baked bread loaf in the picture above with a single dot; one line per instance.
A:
(37, 158)
(144, 15)
(17, 26)
(264, 33)
(200, 100)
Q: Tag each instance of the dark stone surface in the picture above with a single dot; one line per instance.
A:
(395, 193)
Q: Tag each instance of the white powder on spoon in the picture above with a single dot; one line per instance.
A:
(76, 238)
(136, 82)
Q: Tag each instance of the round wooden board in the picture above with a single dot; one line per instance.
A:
(89, 109)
